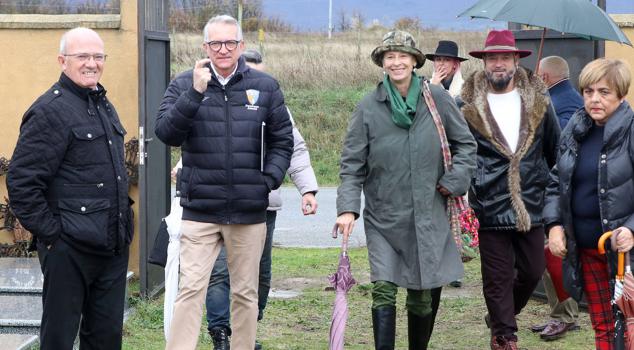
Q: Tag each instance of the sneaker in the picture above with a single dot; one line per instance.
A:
(220, 338)
(258, 346)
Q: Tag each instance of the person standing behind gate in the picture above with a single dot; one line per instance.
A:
(409, 241)
(224, 116)
(564, 310)
(515, 126)
(68, 185)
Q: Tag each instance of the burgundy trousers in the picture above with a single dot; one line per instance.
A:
(512, 265)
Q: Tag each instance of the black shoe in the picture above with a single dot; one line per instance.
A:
(456, 284)
(487, 320)
(384, 326)
(258, 346)
(220, 338)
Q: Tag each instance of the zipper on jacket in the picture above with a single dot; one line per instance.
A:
(98, 185)
(229, 158)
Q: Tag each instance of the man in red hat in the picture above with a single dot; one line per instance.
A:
(516, 128)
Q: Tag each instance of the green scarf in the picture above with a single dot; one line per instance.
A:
(403, 112)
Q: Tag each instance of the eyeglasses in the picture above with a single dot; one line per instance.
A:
(83, 57)
(230, 45)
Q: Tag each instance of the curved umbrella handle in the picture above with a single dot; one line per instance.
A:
(604, 237)
(344, 243)
(620, 267)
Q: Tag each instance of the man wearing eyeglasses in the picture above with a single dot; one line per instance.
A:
(68, 186)
(236, 140)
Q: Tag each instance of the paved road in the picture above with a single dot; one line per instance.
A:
(293, 229)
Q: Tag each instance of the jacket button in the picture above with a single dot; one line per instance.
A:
(603, 156)
(605, 221)
(603, 161)
(118, 177)
(602, 190)
(110, 142)
(89, 136)
(56, 92)
(82, 208)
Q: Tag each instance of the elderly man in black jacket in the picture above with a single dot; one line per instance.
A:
(236, 140)
(67, 184)
(510, 115)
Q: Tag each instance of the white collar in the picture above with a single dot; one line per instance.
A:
(222, 80)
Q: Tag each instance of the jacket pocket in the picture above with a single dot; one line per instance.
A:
(85, 220)
(88, 146)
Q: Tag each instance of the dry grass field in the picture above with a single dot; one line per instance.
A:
(313, 61)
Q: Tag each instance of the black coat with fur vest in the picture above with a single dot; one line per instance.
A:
(507, 190)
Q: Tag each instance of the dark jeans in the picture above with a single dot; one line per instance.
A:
(512, 265)
(86, 287)
(218, 291)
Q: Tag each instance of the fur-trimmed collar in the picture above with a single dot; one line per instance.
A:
(477, 112)
(476, 109)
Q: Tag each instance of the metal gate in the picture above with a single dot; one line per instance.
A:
(154, 160)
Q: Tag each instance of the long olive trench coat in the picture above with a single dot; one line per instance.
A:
(407, 230)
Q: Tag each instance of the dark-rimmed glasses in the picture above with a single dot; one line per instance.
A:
(83, 57)
(216, 46)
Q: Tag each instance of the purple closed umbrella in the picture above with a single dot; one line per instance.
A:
(342, 281)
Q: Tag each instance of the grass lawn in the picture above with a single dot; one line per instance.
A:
(303, 322)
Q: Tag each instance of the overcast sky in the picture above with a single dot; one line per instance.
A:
(313, 14)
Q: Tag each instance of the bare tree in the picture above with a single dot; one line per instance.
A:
(343, 21)
(409, 24)
(358, 19)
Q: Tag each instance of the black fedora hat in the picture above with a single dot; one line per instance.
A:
(446, 48)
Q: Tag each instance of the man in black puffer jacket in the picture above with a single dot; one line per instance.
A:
(236, 140)
(68, 185)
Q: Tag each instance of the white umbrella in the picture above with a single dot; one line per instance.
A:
(173, 221)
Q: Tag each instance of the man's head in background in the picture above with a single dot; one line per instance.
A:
(253, 59)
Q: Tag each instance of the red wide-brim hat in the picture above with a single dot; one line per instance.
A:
(500, 41)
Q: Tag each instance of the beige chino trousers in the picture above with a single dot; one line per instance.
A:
(200, 246)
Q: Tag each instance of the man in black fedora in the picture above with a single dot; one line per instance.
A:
(447, 67)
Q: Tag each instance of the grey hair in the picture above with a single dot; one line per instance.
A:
(556, 65)
(62, 41)
(224, 19)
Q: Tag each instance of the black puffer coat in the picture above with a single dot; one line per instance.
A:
(67, 178)
(224, 178)
(616, 183)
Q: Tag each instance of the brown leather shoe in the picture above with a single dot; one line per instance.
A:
(503, 343)
(557, 329)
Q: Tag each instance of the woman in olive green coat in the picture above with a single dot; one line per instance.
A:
(392, 152)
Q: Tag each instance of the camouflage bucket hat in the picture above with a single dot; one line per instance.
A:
(397, 40)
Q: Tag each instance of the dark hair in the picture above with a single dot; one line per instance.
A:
(252, 55)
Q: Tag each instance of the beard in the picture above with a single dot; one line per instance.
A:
(501, 83)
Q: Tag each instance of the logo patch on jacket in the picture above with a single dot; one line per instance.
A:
(252, 96)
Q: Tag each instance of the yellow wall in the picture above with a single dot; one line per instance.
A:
(28, 66)
(624, 52)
